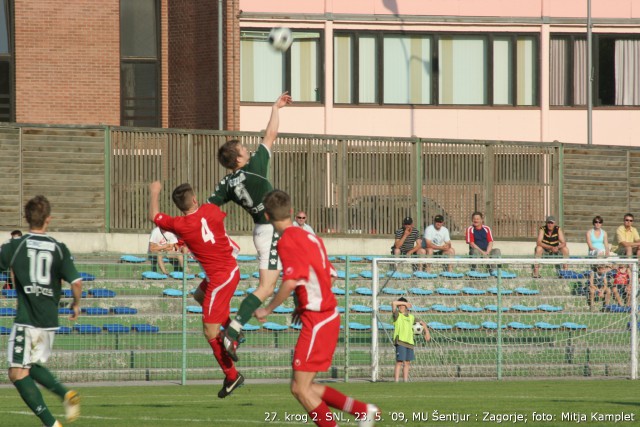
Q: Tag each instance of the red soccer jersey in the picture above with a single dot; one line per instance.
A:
(204, 233)
(304, 259)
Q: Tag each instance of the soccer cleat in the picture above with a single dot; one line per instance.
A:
(56, 424)
(229, 386)
(71, 405)
(373, 415)
(230, 345)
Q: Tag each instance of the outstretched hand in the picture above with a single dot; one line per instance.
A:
(284, 99)
(155, 187)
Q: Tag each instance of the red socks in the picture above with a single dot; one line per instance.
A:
(319, 416)
(337, 400)
(223, 358)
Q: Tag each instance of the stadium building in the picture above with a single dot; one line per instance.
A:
(486, 69)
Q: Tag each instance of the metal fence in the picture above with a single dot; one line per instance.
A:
(97, 178)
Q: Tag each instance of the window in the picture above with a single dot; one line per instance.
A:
(265, 73)
(616, 68)
(139, 63)
(435, 69)
(6, 86)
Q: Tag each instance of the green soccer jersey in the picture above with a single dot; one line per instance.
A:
(247, 186)
(39, 263)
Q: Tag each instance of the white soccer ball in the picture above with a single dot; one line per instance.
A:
(418, 329)
(280, 38)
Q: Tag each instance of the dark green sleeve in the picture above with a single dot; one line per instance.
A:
(259, 163)
(68, 269)
(220, 195)
(5, 256)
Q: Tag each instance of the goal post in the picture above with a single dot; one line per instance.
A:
(490, 318)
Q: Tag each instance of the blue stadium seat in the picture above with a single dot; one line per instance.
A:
(116, 328)
(233, 310)
(153, 275)
(10, 293)
(473, 291)
(385, 307)
(570, 274)
(504, 274)
(393, 291)
(469, 308)
(343, 275)
(68, 293)
(550, 308)
(179, 275)
(364, 291)
(244, 258)
(451, 275)
(87, 329)
(519, 325)
(526, 291)
(355, 326)
(523, 308)
(494, 290)
(65, 311)
(296, 326)
(420, 291)
(250, 290)
(123, 310)
(385, 326)
(360, 308)
(145, 328)
(573, 326)
(201, 275)
(466, 326)
(399, 275)
(282, 310)
(194, 309)
(614, 308)
(4, 330)
(4, 277)
(350, 258)
(275, 327)
(63, 330)
(545, 325)
(102, 293)
(238, 293)
(172, 293)
(86, 277)
(477, 274)
(256, 274)
(438, 326)
(7, 311)
(492, 325)
(368, 274)
(371, 258)
(250, 327)
(424, 275)
(243, 276)
(494, 308)
(446, 291)
(442, 308)
(132, 259)
(418, 309)
(94, 311)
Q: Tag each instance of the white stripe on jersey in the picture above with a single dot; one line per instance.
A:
(215, 292)
(314, 293)
(317, 328)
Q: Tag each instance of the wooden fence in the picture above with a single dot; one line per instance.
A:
(97, 179)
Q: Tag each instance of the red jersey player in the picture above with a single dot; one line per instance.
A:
(308, 272)
(202, 230)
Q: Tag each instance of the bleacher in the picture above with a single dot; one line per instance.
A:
(132, 327)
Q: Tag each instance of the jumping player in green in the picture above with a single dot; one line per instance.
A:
(39, 264)
(246, 186)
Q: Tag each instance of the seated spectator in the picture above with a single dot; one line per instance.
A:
(479, 238)
(436, 240)
(301, 221)
(598, 286)
(550, 242)
(621, 286)
(627, 241)
(406, 238)
(164, 244)
(597, 239)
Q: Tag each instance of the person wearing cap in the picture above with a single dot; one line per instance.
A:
(627, 241)
(436, 239)
(403, 336)
(406, 238)
(550, 242)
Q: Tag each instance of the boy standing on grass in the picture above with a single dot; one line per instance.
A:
(309, 273)
(246, 186)
(403, 322)
(202, 230)
(39, 263)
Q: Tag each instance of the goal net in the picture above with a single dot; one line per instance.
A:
(495, 318)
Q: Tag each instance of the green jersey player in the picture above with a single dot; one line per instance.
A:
(39, 263)
(247, 185)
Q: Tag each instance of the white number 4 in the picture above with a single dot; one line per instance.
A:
(207, 235)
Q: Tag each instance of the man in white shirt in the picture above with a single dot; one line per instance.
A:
(164, 243)
(436, 239)
(301, 221)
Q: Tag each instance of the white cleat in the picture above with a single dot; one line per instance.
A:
(373, 415)
(71, 405)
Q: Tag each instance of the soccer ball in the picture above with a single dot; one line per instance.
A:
(418, 329)
(280, 38)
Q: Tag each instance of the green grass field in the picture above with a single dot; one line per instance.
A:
(539, 403)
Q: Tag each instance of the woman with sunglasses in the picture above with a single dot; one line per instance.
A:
(597, 239)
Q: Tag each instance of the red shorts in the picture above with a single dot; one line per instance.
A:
(317, 341)
(217, 297)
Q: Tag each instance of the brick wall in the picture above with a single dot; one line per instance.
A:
(67, 61)
(193, 65)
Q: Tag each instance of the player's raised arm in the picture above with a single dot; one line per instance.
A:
(154, 199)
(274, 121)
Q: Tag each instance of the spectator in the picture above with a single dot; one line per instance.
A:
(479, 238)
(406, 238)
(16, 234)
(550, 242)
(437, 241)
(598, 286)
(627, 238)
(597, 239)
(403, 338)
(621, 286)
(161, 244)
(301, 221)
